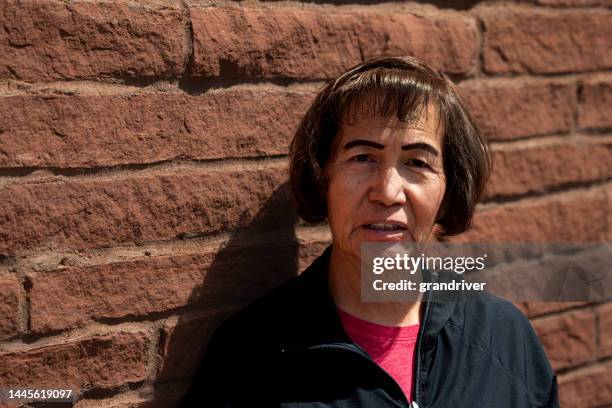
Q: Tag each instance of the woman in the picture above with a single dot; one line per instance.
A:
(386, 153)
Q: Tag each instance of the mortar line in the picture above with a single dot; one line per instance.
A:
(171, 167)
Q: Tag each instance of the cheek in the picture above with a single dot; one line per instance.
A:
(427, 202)
(343, 197)
(347, 184)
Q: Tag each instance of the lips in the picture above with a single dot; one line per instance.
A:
(385, 231)
(385, 226)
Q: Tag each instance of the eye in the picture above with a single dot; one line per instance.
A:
(362, 158)
(418, 163)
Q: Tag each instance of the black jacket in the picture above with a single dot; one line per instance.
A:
(289, 349)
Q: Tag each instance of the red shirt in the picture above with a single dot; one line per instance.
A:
(390, 347)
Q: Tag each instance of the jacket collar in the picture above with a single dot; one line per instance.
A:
(314, 318)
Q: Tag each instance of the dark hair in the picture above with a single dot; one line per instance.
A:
(383, 87)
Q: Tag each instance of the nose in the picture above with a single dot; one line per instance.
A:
(388, 187)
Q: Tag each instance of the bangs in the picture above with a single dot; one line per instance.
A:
(388, 92)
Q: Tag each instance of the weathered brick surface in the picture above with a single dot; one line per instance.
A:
(509, 109)
(577, 217)
(534, 309)
(145, 128)
(85, 214)
(108, 360)
(533, 272)
(132, 227)
(10, 293)
(588, 387)
(569, 339)
(319, 43)
(536, 169)
(312, 243)
(134, 399)
(575, 3)
(46, 40)
(165, 396)
(77, 295)
(530, 40)
(311, 251)
(604, 316)
(595, 101)
(127, 400)
(184, 340)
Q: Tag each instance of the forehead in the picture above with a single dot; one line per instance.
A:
(425, 126)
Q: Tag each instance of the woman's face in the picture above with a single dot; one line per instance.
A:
(386, 182)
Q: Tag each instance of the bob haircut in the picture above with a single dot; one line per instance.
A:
(383, 87)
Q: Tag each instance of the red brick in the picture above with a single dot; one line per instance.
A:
(321, 43)
(133, 399)
(10, 293)
(575, 3)
(46, 40)
(536, 169)
(75, 296)
(526, 39)
(125, 400)
(604, 316)
(534, 309)
(581, 216)
(100, 212)
(164, 396)
(509, 109)
(528, 273)
(108, 360)
(184, 341)
(145, 128)
(588, 387)
(595, 102)
(569, 339)
(312, 243)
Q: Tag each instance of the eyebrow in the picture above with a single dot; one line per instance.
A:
(411, 146)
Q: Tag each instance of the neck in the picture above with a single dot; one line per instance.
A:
(345, 287)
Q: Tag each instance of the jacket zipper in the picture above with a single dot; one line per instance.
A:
(358, 351)
(416, 381)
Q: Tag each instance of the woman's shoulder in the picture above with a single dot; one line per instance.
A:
(500, 329)
(481, 313)
(268, 316)
(494, 318)
(262, 311)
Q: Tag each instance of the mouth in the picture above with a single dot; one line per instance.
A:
(391, 231)
(384, 226)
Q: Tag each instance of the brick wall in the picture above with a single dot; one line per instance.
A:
(143, 191)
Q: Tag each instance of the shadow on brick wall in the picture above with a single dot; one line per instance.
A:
(254, 260)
